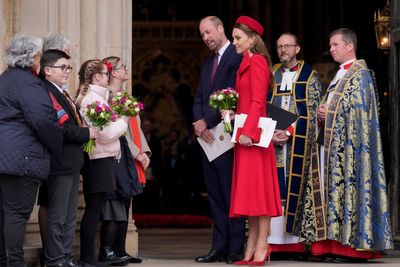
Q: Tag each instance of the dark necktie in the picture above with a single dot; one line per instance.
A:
(72, 104)
(214, 66)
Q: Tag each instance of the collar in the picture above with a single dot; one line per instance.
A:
(102, 91)
(346, 65)
(294, 68)
(58, 87)
(223, 48)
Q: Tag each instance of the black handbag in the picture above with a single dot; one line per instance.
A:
(128, 184)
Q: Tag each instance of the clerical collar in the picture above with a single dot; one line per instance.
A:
(294, 68)
(346, 65)
(340, 74)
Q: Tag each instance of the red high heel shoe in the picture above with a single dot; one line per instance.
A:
(244, 262)
(266, 258)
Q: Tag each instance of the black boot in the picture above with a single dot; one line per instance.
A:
(107, 255)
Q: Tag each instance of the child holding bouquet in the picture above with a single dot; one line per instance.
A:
(129, 170)
(99, 170)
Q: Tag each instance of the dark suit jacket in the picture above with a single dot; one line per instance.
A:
(70, 159)
(224, 77)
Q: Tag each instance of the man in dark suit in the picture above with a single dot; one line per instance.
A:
(63, 181)
(218, 72)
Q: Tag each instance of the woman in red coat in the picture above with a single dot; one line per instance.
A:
(255, 187)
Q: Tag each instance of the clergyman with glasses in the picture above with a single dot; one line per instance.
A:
(297, 90)
(63, 181)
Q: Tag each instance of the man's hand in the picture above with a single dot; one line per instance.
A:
(207, 136)
(279, 138)
(199, 127)
(321, 112)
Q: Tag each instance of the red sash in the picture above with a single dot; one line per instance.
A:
(136, 140)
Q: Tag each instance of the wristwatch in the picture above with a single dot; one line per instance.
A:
(287, 133)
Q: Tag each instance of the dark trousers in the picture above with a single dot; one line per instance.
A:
(94, 205)
(228, 234)
(63, 193)
(17, 195)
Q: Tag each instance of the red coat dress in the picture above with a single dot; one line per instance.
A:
(255, 186)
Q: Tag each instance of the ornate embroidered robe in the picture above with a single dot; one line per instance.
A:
(293, 159)
(351, 206)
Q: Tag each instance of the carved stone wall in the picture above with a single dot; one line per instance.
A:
(96, 29)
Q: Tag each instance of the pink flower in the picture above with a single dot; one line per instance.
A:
(107, 108)
(98, 109)
(114, 116)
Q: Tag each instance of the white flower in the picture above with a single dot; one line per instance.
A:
(128, 101)
(119, 94)
(102, 115)
(220, 97)
(137, 109)
(92, 111)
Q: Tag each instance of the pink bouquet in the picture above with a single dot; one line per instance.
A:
(126, 105)
(225, 99)
(99, 115)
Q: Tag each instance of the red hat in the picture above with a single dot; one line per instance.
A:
(251, 23)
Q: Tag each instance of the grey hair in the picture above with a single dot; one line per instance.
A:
(55, 41)
(21, 50)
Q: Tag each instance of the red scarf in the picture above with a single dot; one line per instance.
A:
(136, 140)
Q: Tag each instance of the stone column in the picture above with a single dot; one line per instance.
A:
(96, 29)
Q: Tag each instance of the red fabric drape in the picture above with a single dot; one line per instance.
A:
(136, 139)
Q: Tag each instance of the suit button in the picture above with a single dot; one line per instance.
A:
(26, 157)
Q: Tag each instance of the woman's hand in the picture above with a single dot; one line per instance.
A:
(144, 160)
(244, 140)
(225, 111)
(94, 133)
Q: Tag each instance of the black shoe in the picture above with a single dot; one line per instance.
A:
(122, 261)
(135, 260)
(233, 257)
(107, 255)
(126, 260)
(212, 256)
(71, 263)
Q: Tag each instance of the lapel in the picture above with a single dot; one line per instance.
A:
(61, 99)
(221, 65)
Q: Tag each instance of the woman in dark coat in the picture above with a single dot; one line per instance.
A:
(29, 133)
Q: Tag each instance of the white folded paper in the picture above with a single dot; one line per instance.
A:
(221, 144)
(267, 126)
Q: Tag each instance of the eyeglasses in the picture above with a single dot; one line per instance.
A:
(122, 66)
(64, 68)
(286, 46)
